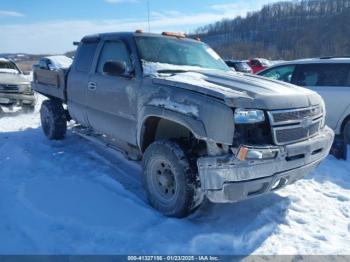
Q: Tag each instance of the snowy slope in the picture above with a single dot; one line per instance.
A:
(67, 198)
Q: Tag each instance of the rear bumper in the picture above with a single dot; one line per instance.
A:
(227, 179)
(10, 98)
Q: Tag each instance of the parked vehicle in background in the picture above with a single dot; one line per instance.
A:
(258, 64)
(15, 88)
(239, 66)
(54, 62)
(328, 76)
(200, 129)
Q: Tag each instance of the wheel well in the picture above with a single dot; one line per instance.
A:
(156, 128)
(344, 123)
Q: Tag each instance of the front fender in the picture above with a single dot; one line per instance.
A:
(194, 125)
(206, 118)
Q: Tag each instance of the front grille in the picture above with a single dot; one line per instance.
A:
(290, 126)
(284, 136)
(281, 117)
(9, 88)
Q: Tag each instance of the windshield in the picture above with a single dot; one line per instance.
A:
(8, 67)
(169, 53)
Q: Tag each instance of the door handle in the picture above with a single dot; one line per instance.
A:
(92, 86)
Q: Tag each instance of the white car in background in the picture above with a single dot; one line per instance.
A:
(15, 88)
(328, 76)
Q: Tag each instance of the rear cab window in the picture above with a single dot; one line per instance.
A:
(330, 74)
(86, 56)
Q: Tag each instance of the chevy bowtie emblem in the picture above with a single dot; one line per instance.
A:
(306, 122)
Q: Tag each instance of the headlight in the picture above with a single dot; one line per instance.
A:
(248, 116)
(24, 88)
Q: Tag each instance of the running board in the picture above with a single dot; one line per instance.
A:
(130, 152)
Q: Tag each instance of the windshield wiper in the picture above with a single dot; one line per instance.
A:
(172, 71)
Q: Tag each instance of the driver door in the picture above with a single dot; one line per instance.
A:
(111, 100)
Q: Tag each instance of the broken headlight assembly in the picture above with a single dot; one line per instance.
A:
(255, 153)
(248, 116)
(252, 136)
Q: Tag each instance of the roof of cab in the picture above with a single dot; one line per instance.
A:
(97, 37)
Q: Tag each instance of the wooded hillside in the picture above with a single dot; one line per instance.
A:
(284, 30)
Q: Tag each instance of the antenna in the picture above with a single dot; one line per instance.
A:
(148, 14)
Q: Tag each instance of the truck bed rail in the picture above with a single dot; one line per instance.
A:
(50, 83)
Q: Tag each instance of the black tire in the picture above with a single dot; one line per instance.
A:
(346, 132)
(168, 179)
(27, 109)
(53, 119)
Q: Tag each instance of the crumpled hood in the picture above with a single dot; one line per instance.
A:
(13, 79)
(243, 90)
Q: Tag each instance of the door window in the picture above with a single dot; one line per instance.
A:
(323, 75)
(113, 51)
(282, 73)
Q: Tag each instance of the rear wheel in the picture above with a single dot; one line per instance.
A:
(53, 119)
(168, 179)
(346, 132)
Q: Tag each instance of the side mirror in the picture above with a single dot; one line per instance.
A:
(115, 68)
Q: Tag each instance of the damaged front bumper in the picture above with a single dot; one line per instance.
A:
(228, 179)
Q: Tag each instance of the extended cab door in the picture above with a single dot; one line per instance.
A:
(111, 100)
(78, 79)
(331, 81)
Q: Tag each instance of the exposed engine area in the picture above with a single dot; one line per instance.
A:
(252, 134)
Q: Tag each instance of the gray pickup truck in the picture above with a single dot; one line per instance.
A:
(15, 88)
(200, 129)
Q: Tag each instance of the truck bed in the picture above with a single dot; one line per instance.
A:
(50, 83)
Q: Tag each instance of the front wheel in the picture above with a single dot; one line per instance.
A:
(168, 179)
(53, 119)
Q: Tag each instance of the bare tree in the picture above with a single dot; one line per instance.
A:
(284, 30)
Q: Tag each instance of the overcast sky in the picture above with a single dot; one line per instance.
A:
(50, 26)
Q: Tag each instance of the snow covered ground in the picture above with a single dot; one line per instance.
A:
(66, 197)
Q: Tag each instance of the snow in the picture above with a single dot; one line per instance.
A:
(59, 62)
(174, 106)
(151, 68)
(69, 197)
